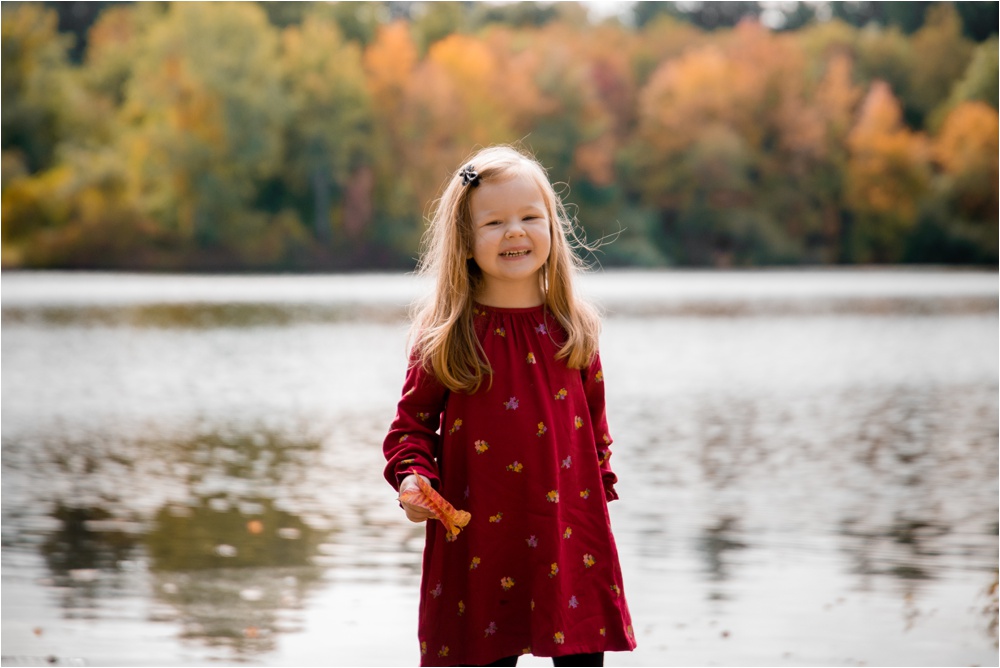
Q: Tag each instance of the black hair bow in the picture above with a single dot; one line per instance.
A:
(469, 176)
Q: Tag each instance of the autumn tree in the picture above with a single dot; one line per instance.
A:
(944, 54)
(978, 83)
(887, 174)
(389, 63)
(967, 149)
(36, 110)
(63, 187)
(835, 103)
(329, 130)
(203, 114)
(722, 146)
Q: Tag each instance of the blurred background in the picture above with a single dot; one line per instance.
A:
(313, 136)
(209, 215)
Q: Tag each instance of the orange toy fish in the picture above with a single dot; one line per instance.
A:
(427, 497)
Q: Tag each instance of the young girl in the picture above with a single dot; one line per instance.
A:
(503, 413)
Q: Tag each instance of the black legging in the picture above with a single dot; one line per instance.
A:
(569, 661)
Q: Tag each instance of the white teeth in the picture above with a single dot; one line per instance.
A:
(514, 253)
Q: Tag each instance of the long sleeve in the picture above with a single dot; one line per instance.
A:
(593, 387)
(412, 442)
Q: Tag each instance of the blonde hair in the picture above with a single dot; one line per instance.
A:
(443, 336)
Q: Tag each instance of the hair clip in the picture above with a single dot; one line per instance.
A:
(469, 176)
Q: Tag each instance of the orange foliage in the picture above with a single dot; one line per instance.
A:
(837, 97)
(389, 62)
(967, 149)
(968, 139)
(720, 102)
(887, 169)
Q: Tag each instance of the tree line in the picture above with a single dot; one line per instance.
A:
(314, 136)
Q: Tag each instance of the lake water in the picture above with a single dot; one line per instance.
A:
(192, 468)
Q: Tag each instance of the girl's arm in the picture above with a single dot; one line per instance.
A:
(593, 387)
(412, 442)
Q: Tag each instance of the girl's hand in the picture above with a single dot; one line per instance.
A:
(413, 513)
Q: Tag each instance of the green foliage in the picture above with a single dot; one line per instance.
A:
(34, 77)
(944, 56)
(435, 21)
(329, 140)
(315, 136)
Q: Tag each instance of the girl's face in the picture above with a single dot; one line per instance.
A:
(512, 239)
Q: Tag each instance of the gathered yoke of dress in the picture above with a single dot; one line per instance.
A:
(528, 455)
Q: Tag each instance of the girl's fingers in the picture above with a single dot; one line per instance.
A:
(416, 513)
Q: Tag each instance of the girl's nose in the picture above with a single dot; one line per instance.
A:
(515, 230)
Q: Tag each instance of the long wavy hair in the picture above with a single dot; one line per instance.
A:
(443, 337)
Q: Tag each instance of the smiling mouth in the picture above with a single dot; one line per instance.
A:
(514, 253)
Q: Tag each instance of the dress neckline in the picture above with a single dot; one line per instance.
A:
(509, 310)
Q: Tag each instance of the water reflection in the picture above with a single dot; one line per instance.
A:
(230, 567)
(201, 316)
(87, 553)
(906, 548)
(243, 611)
(716, 542)
(220, 532)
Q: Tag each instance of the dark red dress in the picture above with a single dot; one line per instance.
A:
(536, 570)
